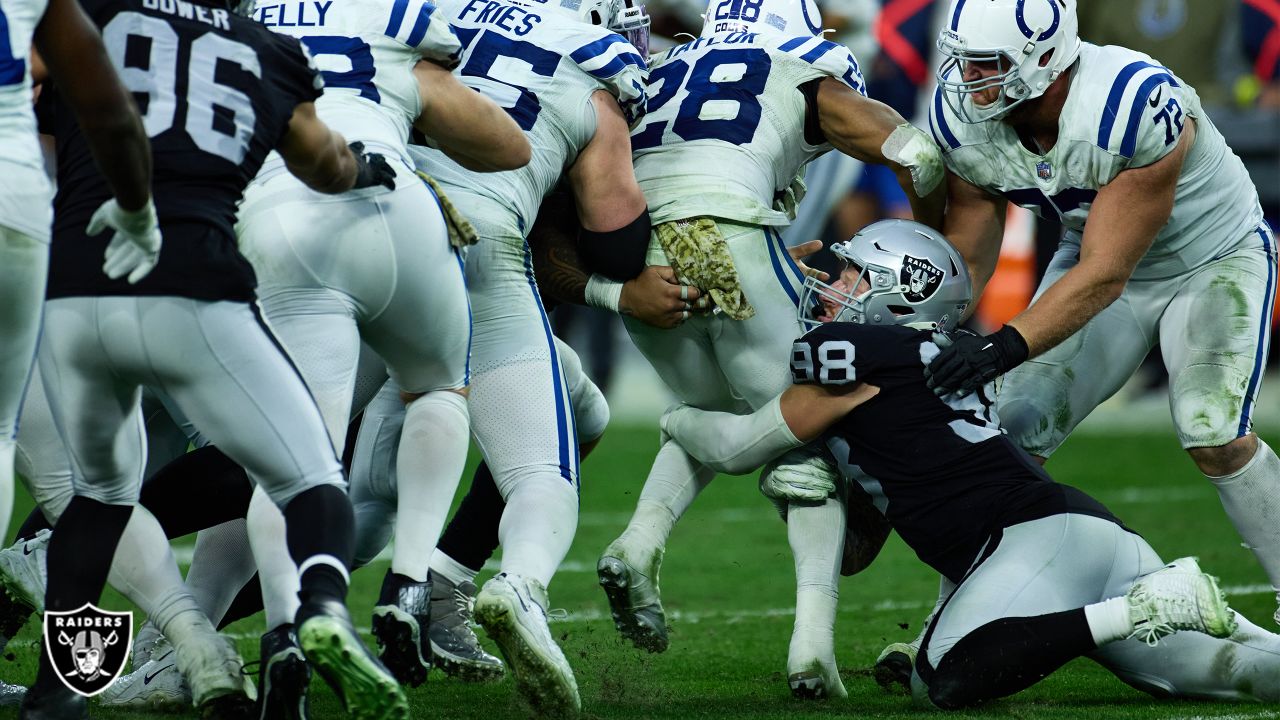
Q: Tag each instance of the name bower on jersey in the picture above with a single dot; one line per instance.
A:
(1124, 110)
(725, 128)
(216, 92)
(542, 68)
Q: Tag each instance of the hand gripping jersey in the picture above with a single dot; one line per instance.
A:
(1124, 110)
(940, 469)
(366, 50)
(724, 133)
(542, 68)
(24, 194)
(216, 92)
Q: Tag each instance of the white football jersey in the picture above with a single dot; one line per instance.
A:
(21, 163)
(542, 68)
(1124, 110)
(365, 51)
(724, 130)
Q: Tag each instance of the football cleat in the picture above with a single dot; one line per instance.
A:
(154, 684)
(11, 694)
(453, 643)
(815, 680)
(215, 673)
(368, 690)
(513, 611)
(283, 676)
(144, 643)
(58, 703)
(22, 571)
(400, 622)
(1178, 597)
(634, 599)
(892, 670)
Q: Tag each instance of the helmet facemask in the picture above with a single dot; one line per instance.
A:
(958, 92)
(632, 22)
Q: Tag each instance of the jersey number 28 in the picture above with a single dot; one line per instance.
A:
(732, 75)
(219, 118)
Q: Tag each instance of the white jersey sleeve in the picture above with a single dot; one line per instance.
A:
(25, 191)
(1143, 116)
(413, 23)
(619, 68)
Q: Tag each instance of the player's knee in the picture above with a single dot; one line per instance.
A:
(409, 397)
(951, 691)
(1225, 459)
(591, 412)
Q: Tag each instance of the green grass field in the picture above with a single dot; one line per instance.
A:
(728, 587)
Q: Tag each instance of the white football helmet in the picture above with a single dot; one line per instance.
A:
(625, 17)
(1032, 41)
(915, 278)
(771, 17)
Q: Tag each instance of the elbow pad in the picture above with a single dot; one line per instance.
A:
(616, 254)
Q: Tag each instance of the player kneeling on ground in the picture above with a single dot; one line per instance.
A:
(973, 505)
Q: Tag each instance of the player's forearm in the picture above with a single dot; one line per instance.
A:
(928, 209)
(728, 443)
(122, 153)
(332, 170)
(1075, 299)
(469, 127)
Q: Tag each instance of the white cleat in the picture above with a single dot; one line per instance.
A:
(513, 611)
(214, 671)
(154, 684)
(145, 641)
(22, 571)
(1177, 597)
(892, 670)
(815, 679)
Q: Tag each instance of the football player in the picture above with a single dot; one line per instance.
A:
(380, 267)
(70, 48)
(221, 92)
(1175, 249)
(573, 86)
(732, 118)
(1035, 573)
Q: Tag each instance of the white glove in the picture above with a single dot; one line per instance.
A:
(135, 248)
(908, 146)
(805, 473)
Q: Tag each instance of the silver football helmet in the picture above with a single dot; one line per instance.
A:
(915, 278)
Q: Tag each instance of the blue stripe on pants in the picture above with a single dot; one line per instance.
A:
(1264, 327)
(568, 443)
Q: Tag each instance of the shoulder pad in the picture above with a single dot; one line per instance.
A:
(1142, 115)
(615, 64)
(416, 24)
(832, 59)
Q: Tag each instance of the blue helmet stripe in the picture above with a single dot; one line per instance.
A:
(955, 16)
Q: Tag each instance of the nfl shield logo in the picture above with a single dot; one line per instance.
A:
(88, 647)
(1044, 170)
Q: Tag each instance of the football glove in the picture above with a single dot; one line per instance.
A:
(372, 169)
(135, 248)
(806, 474)
(969, 361)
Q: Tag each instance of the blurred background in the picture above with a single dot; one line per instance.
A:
(1228, 50)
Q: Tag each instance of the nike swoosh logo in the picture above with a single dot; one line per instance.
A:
(987, 346)
(146, 679)
(1156, 101)
(26, 550)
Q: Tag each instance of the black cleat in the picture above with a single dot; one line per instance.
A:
(283, 677)
(401, 620)
(57, 704)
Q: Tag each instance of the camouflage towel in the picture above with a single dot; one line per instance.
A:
(700, 256)
(461, 232)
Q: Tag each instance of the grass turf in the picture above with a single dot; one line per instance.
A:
(728, 588)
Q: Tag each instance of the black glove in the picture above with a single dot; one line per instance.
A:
(971, 361)
(372, 169)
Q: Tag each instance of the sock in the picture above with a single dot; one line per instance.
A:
(277, 572)
(322, 537)
(8, 449)
(198, 490)
(80, 551)
(220, 567)
(816, 535)
(455, 572)
(1109, 620)
(537, 527)
(1247, 496)
(471, 537)
(674, 482)
(1007, 656)
(247, 603)
(34, 523)
(429, 465)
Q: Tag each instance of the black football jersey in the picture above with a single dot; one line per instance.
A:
(216, 92)
(942, 471)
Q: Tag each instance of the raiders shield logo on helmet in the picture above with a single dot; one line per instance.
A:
(921, 279)
(88, 647)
